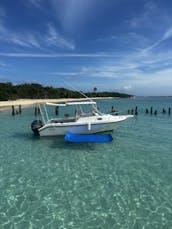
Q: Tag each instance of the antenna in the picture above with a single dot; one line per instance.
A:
(95, 106)
(78, 91)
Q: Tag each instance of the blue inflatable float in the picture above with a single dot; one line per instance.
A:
(71, 137)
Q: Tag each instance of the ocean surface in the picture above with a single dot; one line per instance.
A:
(49, 183)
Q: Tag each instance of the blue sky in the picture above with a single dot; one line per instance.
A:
(115, 45)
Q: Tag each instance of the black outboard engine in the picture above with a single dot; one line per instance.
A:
(35, 125)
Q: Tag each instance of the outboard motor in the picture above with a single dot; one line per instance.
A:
(35, 125)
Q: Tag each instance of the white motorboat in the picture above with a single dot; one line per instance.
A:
(92, 121)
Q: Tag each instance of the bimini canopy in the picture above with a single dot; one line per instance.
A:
(57, 104)
(72, 103)
(81, 103)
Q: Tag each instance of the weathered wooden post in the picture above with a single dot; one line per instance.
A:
(163, 111)
(169, 110)
(36, 111)
(20, 111)
(136, 112)
(56, 110)
(13, 111)
(151, 111)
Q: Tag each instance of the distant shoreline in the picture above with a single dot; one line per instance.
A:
(4, 105)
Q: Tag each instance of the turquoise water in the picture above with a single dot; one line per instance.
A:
(48, 183)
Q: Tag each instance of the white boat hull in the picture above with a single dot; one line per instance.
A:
(82, 127)
(79, 129)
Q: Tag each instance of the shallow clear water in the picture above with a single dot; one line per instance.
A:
(48, 183)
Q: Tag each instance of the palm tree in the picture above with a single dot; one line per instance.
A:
(95, 89)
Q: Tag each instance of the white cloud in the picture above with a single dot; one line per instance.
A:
(132, 72)
(2, 65)
(159, 83)
(136, 72)
(127, 87)
(35, 3)
(152, 15)
(53, 38)
(64, 73)
(165, 36)
(74, 14)
(2, 12)
(58, 55)
(34, 39)
(108, 38)
(24, 39)
(152, 21)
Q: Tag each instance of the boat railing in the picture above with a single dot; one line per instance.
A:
(79, 113)
(62, 120)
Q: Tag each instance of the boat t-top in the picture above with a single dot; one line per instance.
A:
(90, 122)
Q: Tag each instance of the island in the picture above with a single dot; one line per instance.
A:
(9, 91)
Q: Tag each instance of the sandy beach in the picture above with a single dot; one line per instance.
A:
(32, 102)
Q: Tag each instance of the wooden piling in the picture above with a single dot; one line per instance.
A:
(151, 110)
(36, 111)
(56, 110)
(169, 110)
(136, 112)
(13, 111)
(20, 109)
(163, 111)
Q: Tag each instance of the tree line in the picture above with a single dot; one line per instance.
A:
(8, 91)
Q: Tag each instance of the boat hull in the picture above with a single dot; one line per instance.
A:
(55, 130)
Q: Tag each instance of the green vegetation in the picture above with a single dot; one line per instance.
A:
(8, 91)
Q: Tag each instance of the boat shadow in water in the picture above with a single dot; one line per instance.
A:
(25, 136)
(61, 143)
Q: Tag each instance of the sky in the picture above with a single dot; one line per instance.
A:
(114, 45)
